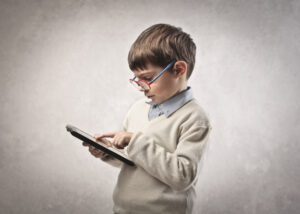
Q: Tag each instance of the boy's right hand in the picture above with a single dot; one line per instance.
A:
(97, 152)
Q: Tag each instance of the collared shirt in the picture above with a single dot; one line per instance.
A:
(171, 105)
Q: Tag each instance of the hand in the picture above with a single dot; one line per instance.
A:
(121, 138)
(97, 152)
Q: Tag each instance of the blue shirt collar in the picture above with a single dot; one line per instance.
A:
(171, 105)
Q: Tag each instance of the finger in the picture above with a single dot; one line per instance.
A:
(122, 142)
(106, 135)
(97, 135)
(104, 140)
(92, 149)
(118, 144)
(98, 155)
(96, 152)
(85, 144)
(114, 142)
(101, 155)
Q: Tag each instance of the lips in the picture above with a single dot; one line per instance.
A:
(149, 96)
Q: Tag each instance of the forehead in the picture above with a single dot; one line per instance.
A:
(149, 70)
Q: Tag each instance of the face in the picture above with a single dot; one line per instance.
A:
(163, 88)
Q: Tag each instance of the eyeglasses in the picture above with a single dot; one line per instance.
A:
(143, 84)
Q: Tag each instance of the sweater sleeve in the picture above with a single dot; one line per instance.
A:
(178, 169)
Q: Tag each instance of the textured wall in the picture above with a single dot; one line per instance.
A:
(66, 62)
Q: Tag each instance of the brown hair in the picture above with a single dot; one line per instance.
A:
(159, 45)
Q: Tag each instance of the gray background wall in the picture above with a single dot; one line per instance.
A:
(66, 62)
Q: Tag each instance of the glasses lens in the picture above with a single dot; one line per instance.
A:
(144, 85)
(140, 85)
(135, 84)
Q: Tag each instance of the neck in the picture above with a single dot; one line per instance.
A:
(182, 88)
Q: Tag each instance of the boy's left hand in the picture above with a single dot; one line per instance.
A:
(121, 138)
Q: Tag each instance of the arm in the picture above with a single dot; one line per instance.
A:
(178, 169)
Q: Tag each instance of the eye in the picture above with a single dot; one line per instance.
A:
(148, 79)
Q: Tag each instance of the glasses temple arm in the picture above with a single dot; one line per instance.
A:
(161, 73)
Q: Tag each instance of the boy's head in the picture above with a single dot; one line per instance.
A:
(154, 49)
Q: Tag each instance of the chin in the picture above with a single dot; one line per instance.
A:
(154, 100)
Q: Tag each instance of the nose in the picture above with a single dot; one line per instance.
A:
(143, 89)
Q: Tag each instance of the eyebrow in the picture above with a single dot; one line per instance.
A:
(144, 74)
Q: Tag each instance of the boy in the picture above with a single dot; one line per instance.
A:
(164, 137)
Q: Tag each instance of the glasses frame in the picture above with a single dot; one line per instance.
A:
(141, 83)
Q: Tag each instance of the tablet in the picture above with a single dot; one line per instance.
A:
(117, 153)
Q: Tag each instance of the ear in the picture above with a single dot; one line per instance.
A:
(180, 68)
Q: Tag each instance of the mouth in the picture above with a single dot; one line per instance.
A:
(150, 96)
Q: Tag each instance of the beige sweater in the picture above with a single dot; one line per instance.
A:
(167, 153)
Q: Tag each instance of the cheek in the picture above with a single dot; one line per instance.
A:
(159, 90)
(154, 89)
